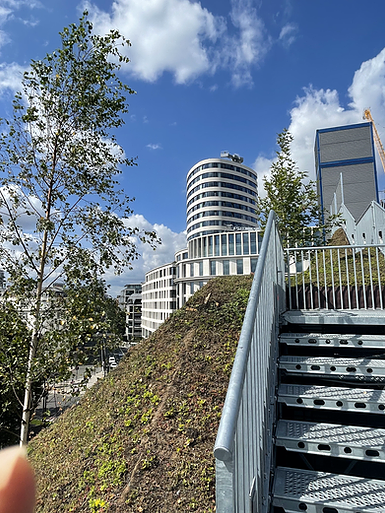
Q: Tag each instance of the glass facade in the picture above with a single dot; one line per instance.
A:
(226, 244)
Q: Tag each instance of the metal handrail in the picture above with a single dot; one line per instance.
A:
(244, 440)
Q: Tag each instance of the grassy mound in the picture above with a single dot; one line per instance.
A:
(141, 440)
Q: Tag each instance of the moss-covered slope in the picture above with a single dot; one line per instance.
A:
(141, 440)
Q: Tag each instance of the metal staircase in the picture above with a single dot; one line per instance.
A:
(303, 424)
(330, 433)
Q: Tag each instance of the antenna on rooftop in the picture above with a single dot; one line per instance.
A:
(234, 157)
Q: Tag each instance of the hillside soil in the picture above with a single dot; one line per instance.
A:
(141, 439)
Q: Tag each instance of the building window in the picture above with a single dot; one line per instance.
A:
(201, 268)
(231, 244)
(238, 243)
(184, 271)
(245, 243)
(192, 288)
(213, 268)
(224, 245)
(205, 246)
(240, 266)
(216, 245)
(191, 269)
(260, 237)
(210, 253)
(253, 264)
(226, 267)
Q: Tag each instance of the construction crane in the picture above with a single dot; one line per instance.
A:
(377, 140)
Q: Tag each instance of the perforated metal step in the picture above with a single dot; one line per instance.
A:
(334, 340)
(318, 492)
(362, 368)
(354, 442)
(333, 398)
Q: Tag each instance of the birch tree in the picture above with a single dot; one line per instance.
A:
(294, 199)
(63, 216)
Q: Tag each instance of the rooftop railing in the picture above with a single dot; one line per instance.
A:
(336, 277)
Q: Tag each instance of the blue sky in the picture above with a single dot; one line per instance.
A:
(215, 75)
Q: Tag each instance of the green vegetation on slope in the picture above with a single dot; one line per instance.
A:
(141, 440)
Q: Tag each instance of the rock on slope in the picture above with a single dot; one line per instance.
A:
(141, 440)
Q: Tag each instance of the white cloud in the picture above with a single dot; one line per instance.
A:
(4, 14)
(322, 108)
(149, 259)
(32, 22)
(10, 77)
(7, 10)
(249, 46)
(154, 146)
(185, 39)
(262, 167)
(166, 35)
(368, 88)
(288, 34)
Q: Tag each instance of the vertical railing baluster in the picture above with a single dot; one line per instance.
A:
(303, 281)
(332, 273)
(310, 283)
(296, 280)
(340, 277)
(318, 282)
(348, 279)
(325, 280)
(289, 279)
(363, 278)
(379, 278)
(355, 278)
(371, 278)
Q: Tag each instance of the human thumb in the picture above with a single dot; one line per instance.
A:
(17, 482)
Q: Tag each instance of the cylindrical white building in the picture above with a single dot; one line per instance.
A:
(221, 197)
(222, 236)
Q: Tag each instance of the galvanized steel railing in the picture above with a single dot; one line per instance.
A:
(336, 277)
(243, 448)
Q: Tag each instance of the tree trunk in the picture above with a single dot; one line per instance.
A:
(27, 404)
(24, 428)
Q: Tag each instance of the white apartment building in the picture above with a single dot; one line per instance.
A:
(134, 318)
(158, 297)
(222, 236)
